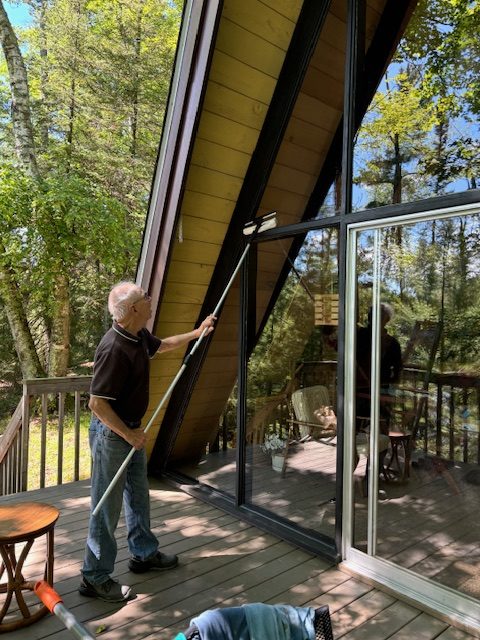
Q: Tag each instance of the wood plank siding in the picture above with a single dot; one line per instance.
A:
(251, 44)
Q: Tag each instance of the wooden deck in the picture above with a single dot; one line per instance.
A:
(428, 523)
(223, 562)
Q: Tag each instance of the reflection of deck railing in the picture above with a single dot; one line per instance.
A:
(457, 416)
(450, 421)
(52, 402)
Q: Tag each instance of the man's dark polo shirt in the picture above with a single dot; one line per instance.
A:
(121, 371)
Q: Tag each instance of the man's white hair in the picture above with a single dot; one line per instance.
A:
(121, 297)
(386, 311)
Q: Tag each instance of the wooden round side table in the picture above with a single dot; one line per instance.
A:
(23, 522)
(399, 438)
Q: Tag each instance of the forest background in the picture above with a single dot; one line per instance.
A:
(83, 91)
(83, 88)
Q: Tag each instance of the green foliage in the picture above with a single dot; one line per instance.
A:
(289, 336)
(421, 132)
(98, 78)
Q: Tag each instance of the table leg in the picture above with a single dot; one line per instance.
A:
(16, 583)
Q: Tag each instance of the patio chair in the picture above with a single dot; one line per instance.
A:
(311, 414)
(311, 418)
(418, 360)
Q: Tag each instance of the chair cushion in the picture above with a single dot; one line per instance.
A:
(307, 401)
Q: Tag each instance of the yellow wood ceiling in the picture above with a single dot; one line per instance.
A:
(251, 44)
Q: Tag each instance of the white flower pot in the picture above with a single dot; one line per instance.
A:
(277, 461)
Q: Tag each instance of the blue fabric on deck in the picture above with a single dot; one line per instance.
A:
(257, 622)
(280, 622)
(222, 624)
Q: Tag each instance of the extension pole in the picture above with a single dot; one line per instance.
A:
(254, 228)
(54, 604)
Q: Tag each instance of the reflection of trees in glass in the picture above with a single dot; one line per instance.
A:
(423, 122)
(433, 275)
(289, 335)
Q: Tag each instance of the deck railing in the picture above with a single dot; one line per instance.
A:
(457, 417)
(51, 406)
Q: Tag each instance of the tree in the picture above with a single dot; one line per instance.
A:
(423, 125)
(396, 128)
(84, 90)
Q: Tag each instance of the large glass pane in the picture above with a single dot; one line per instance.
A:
(292, 382)
(428, 311)
(420, 136)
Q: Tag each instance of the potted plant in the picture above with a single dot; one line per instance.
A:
(275, 446)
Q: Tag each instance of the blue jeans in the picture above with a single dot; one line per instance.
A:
(108, 452)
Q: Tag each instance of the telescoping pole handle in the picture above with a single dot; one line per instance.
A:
(54, 603)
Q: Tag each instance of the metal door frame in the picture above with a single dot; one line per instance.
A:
(460, 608)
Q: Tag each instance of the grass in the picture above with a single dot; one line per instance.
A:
(52, 451)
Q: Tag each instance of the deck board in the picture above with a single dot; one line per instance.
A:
(224, 562)
(427, 524)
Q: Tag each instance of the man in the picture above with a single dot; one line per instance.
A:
(390, 369)
(119, 399)
(390, 365)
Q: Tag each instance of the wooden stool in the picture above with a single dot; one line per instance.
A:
(404, 439)
(23, 522)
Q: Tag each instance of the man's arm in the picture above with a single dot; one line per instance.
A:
(103, 410)
(174, 342)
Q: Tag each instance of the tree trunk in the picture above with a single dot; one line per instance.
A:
(21, 115)
(441, 130)
(462, 296)
(59, 352)
(397, 172)
(17, 320)
(136, 81)
(71, 122)
(72, 109)
(43, 119)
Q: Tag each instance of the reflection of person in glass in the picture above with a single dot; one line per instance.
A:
(390, 367)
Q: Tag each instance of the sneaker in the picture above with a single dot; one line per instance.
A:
(159, 562)
(110, 591)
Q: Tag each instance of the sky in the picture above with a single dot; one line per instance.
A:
(18, 14)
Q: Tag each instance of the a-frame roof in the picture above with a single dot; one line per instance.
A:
(254, 124)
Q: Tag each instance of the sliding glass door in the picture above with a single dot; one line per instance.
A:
(412, 480)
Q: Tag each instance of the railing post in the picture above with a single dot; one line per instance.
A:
(23, 440)
(465, 425)
(438, 443)
(76, 469)
(61, 420)
(43, 439)
(451, 430)
(478, 419)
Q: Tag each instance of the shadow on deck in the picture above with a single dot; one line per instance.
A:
(224, 562)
